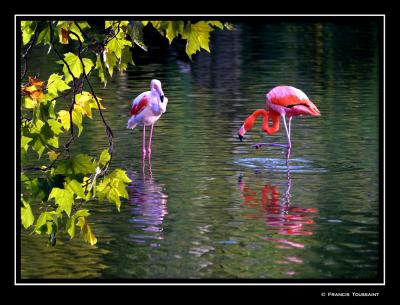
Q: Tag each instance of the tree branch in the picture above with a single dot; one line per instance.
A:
(108, 129)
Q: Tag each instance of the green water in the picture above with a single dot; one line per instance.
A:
(213, 207)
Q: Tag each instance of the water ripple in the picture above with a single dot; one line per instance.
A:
(298, 165)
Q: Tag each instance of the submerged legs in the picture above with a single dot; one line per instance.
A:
(288, 146)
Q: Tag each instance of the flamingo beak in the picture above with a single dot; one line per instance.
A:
(241, 132)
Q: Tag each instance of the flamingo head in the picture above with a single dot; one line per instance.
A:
(241, 133)
(155, 87)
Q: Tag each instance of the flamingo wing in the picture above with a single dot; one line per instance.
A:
(287, 96)
(291, 97)
(139, 105)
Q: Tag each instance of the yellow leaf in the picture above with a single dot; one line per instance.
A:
(63, 117)
(53, 155)
(86, 232)
(83, 101)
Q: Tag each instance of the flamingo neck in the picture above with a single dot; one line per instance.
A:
(249, 122)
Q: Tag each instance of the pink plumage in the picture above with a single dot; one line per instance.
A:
(146, 109)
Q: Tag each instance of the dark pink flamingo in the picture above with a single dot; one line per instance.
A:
(282, 101)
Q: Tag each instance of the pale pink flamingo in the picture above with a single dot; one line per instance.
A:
(146, 109)
(282, 101)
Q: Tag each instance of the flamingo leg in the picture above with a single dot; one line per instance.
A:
(144, 143)
(151, 136)
(289, 146)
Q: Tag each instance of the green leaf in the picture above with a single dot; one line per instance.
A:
(77, 31)
(116, 45)
(27, 217)
(217, 24)
(44, 223)
(47, 109)
(120, 175)
(108, 24)
(55, 126)
(75, 187)
(44, 36)
(113, 186)
(40, 222)
(80, 164)
(25, 141)
(27, 29)
(100, 67)
(121, 188)
(63, 198)
(70, 226)
(126, 58)
(75, 65)
(197, 36)
(56, 84)
(110, 60)
(173, 29)
(81, 213)
(104, 157)
(83, 24)
(38, 145)
(28, 103)
(77, 119)
(86, 231)
(113, 196)
(38, 187)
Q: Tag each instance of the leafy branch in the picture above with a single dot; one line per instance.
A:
(64, 183)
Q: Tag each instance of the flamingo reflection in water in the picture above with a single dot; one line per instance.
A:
(280, 216)
(149, 207)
